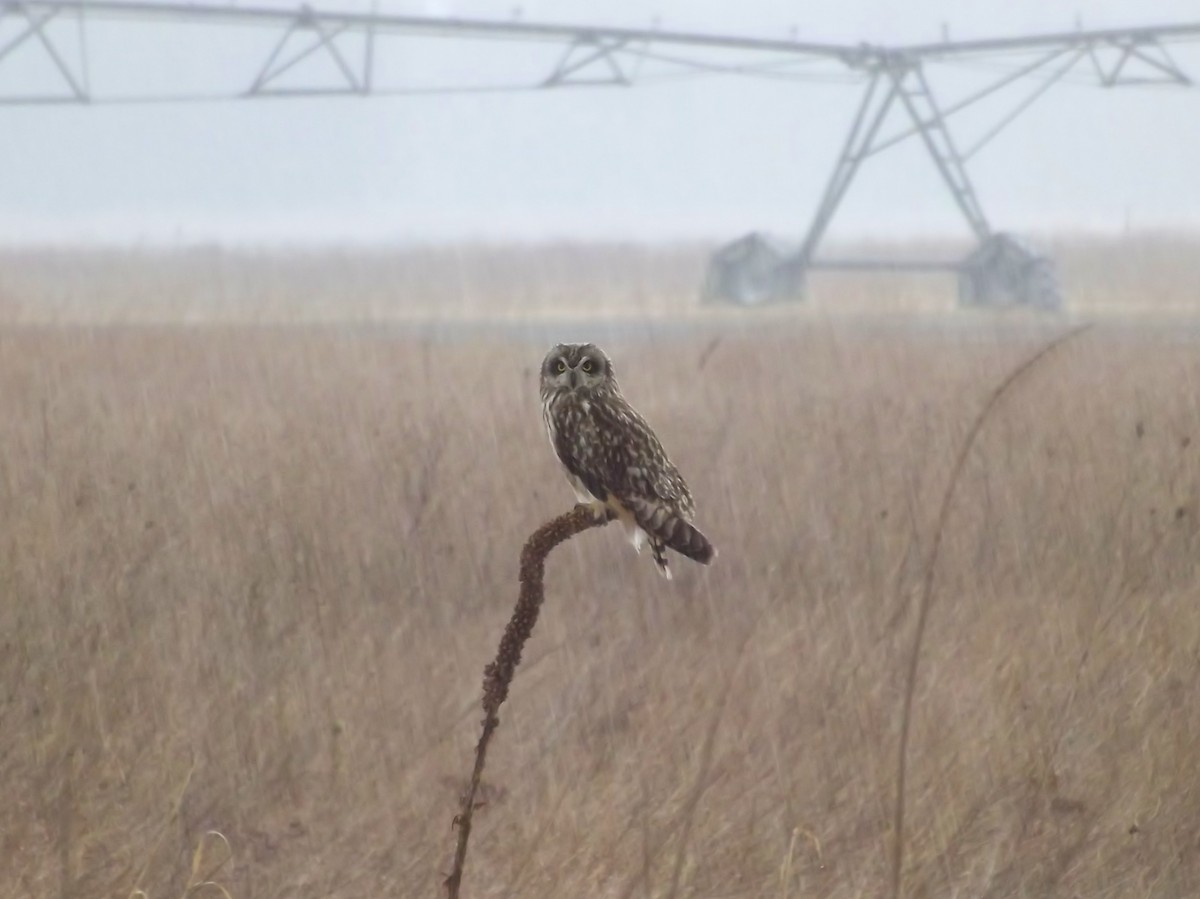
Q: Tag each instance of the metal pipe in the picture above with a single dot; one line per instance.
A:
(971, 99)
(446, 25)
(844, 168)
(1068, 38)
(1024, 105)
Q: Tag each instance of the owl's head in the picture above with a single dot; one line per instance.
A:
(576, 367)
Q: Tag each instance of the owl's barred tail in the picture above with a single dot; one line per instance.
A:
(688, 541)
(667, 528)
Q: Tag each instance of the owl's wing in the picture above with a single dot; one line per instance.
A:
(632, 461)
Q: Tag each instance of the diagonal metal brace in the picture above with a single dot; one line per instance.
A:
(36, 29)
(923, 109)
(31, 28)
(584, 52)
(325, 38)
(864, 129)
(1140, 48)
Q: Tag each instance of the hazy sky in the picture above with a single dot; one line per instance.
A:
(708, 158)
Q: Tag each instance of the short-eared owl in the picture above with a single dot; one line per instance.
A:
(612, 458)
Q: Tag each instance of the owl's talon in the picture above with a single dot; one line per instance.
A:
(598, 511)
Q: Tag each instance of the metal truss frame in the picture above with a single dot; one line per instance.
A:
(1139, 47)
(36, 17)
(895, 76)
(901, 76)
(588, 52)
(324, 37)
(903, 80)
(591, 55)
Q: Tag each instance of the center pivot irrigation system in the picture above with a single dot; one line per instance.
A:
(999, 271)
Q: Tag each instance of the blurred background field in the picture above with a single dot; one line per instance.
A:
(1146, 274)
(252, 574)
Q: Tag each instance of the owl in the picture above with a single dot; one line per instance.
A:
(611, 457)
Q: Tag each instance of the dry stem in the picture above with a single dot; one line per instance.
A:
(499, 674)
(927, 589)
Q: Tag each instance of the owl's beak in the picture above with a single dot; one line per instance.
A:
(573, 377)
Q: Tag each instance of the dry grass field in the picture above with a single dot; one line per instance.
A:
(251, 576)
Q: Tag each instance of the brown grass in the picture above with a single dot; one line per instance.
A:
(251, 577)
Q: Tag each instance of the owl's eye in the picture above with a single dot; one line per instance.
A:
(587, 366)
(560, 366)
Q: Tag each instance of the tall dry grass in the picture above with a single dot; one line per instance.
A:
(250, 578)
